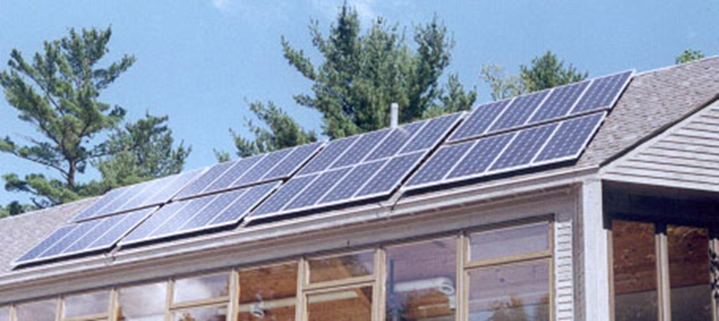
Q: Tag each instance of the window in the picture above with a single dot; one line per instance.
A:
(508, 273)
(268, 293)
(341, 267)
(635, 279)
(87, 306)
(4, 314)
(350, 304)
(689, 276)
(421, 280)
(37, 311)
(203, 298)
(142, 303)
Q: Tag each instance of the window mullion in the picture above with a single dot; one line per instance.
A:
(462, 287)
(300, 307)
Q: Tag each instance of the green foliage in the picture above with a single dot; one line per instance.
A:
(544, 72)
(360, 75)
(14, 208)
(689, 55)
(280, 131)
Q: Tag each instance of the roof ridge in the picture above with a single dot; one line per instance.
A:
(55, 208)
(682, 65)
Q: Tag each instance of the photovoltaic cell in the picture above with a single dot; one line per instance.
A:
(396, 140)
(38, 249)
(433, 131)
(116, 205)
(318, 188)
(570, 138)
(241, 208)
(361, 148)
(284, 195)
(235, 172)
(107, 233)
(205, 180)
(351, 183)
(85, 241)
(602, 93)
(482, 155)
(524, 147)
(439, 165)
(99, 204)
(389, 178)
(208, 213)
(269, 162)
(74, 235)
(519, 111)
(154, 221)
(183, 216)
(299, 156)
(560, 102)
(128, 223)
(175, 186)
(328, 155)
(479, 121)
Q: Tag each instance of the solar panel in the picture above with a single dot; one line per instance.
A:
(524, 147)
(137, 196)
(84, 237)
(357, 175)
(519, 111)
(570, 138)
(250, 171)
(480, 120)
(483, 154)
(329, 154)
(440, 163)
(560, 102)
(603, 93)
(200, 214)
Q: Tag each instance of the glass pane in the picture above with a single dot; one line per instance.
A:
(86, 304)
(268, 293)
(635, 276)
(689, 273)
(509, 241)
(347, 305)
(37, 311)
(204, 287)
(143, 303)
(341, 267)
(511, 292)
(202, 314)
(4, 314)
(421, 280)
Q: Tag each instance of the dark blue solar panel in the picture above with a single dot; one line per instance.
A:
(602, 93)
(524, 147)
(129, 221)
(483, 153)
(236, 171)
(43, 246)
(205, 180)
(559, 102)
(141, 199)
(207, 214)
(571, 138)
(519, 111)
(480, 120)
(439, 165)
(297, 158)
(350, 184)
(435, 130)
(361, 148)
(87, 239)
(328, 155)
(156, 220)
(318, 188)
(116, 205)
(389, 178)
(283, 196)
(74, 235)
(173, 187)
(263, 167)
(182, 216)
(239, 209)
(99, 204)
(396, 140)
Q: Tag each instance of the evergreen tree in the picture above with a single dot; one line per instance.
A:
(689, 55)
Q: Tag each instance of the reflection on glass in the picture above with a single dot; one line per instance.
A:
(509, 241)
(341, 267)
(421, 280)
(200, 288)
(346, 305)
(143, 303)
(268, 293)
(37, 311)
(4, 314)
(218, 313)
(511, 292)
(86, 304)
(689, 273)
(635, 278)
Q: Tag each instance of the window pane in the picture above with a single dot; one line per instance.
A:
(4, 314)
(509, 241)
(37, 311)
(202, 314)
(635, 277)
(268, 293)
(511, 292)
(421, 280)
(341, 267)
(204, 287)
(143, 303)
(86, 304)
(347, 305)
(689, 273)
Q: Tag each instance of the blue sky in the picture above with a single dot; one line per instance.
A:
(199, 61)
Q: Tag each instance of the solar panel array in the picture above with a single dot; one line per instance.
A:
(358, 168)
(537, 129)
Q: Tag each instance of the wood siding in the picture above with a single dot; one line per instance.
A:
(563, 271)
(685, 155)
